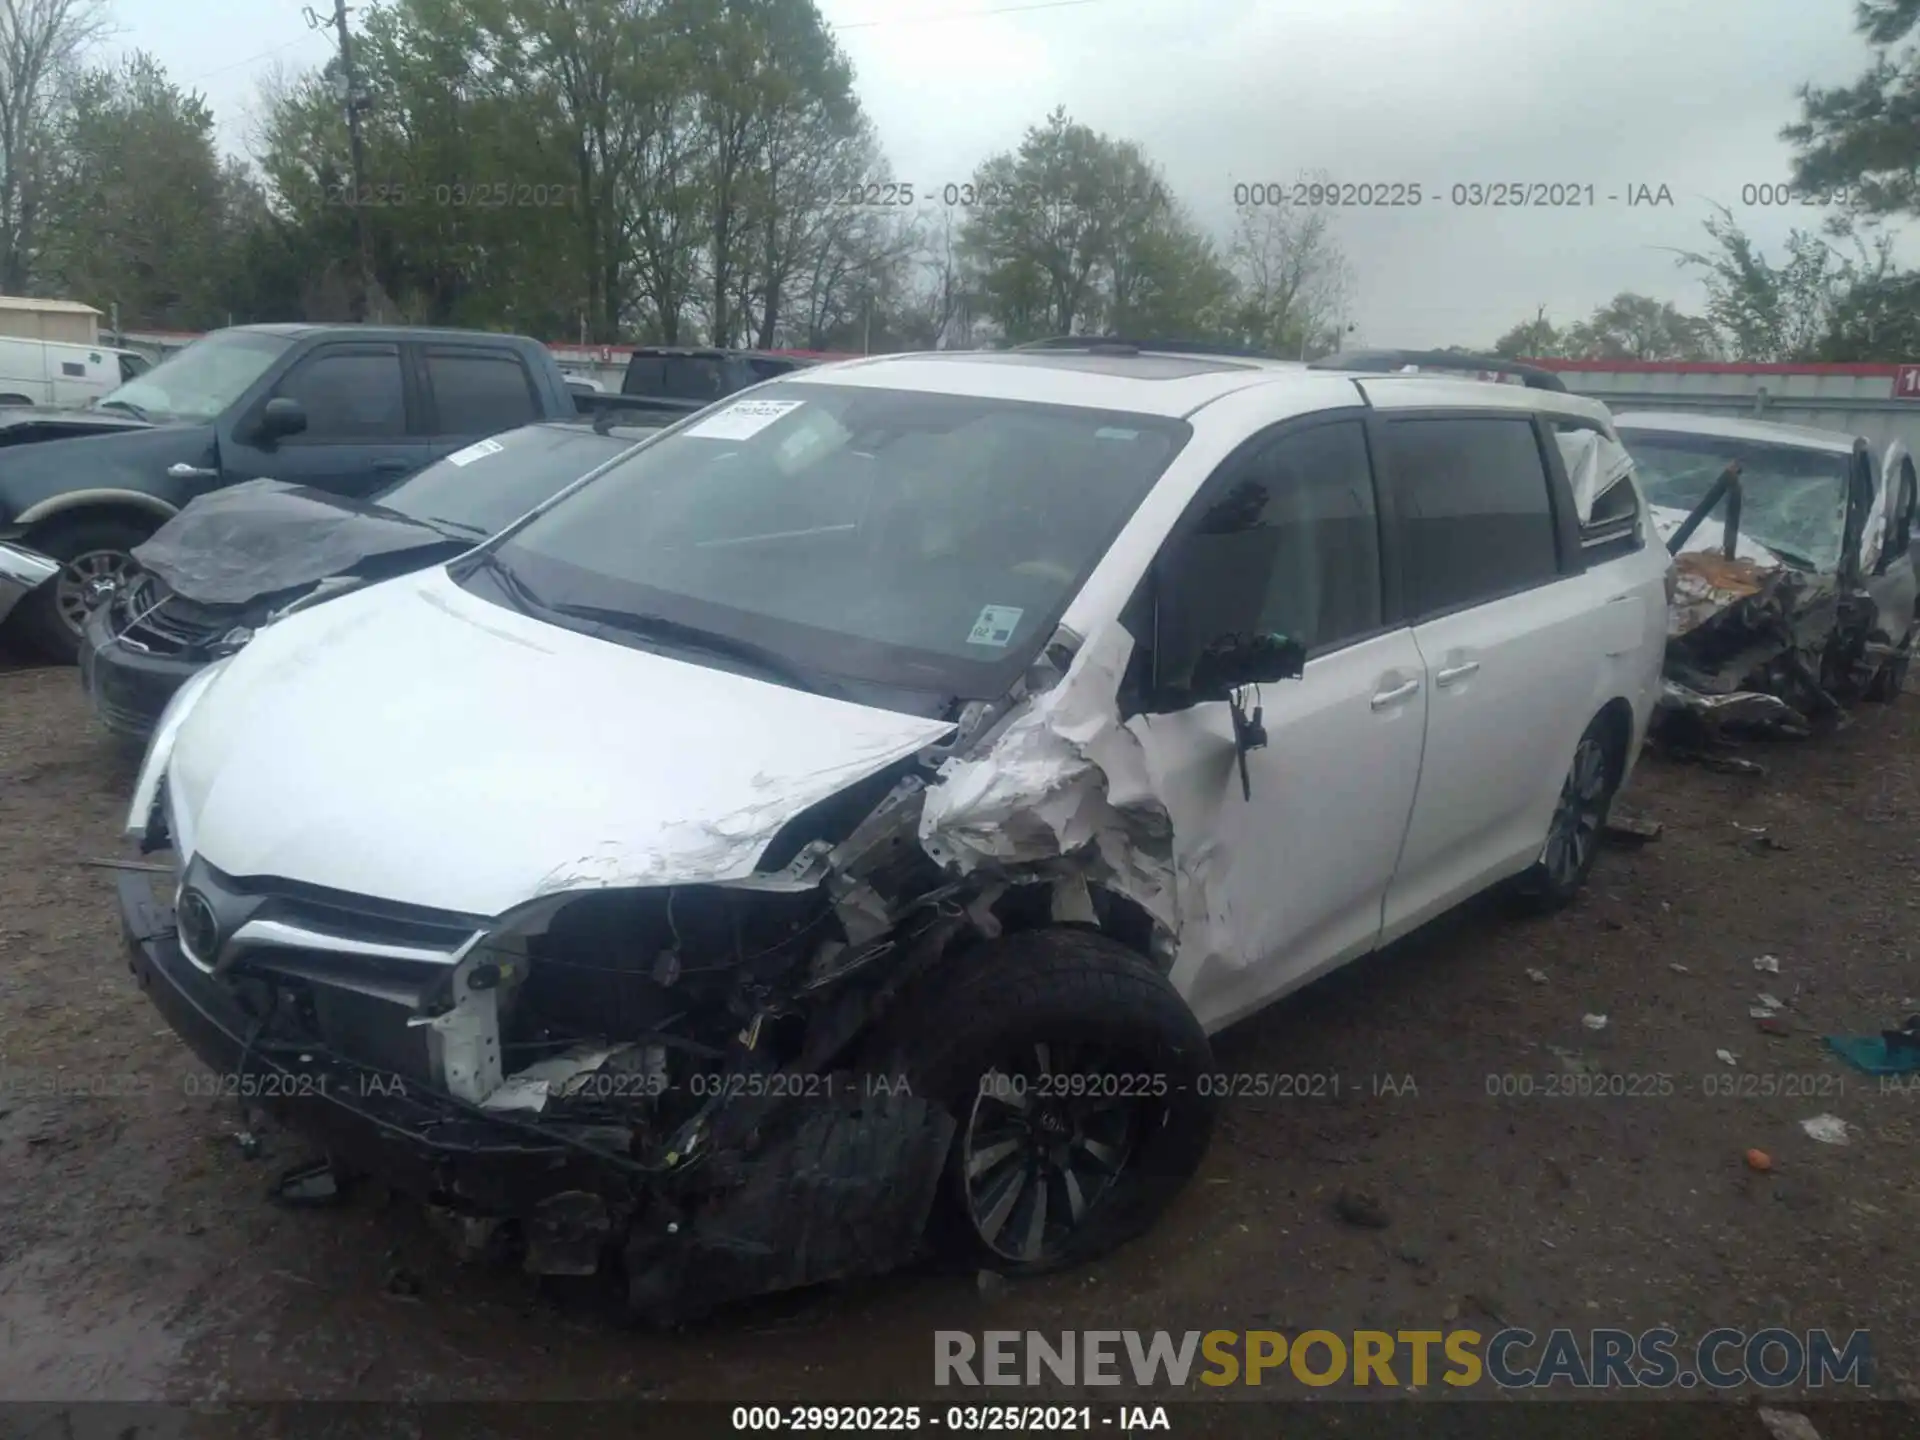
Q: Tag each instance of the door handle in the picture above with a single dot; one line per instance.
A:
(1455, 672)
(184, 471)
(1392, 697)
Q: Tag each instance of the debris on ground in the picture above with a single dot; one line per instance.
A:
(1827, 1129)
(1631, 828)
(1571, 1061)
(1726, 1057)
(1787, 1424)
(1356, 1207)
(1677, 968)
(248, 1142)
(1891, 1052)
(1594, 1022)
(1759, 1160)
(313, 1185)
(991, 1284)
(1538, 977)
(1767, 964)
(402, 1284)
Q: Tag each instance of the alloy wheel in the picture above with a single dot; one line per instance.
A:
(1045, 1141)
(79, 576)
(1580, 814)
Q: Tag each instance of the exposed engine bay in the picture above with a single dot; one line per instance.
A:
(694, 1079)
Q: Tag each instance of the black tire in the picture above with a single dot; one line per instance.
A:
(1573, 835)
(45, 618)
(978, 1036)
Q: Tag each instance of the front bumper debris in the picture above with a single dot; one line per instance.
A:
(128, 688)
(813, 1182)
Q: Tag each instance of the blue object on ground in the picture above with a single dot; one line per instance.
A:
(1874, 1055)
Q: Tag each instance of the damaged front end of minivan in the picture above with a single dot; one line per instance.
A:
(698, 1083)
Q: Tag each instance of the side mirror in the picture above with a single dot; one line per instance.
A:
(1232, 662)
(281, 417)
(1205, 589)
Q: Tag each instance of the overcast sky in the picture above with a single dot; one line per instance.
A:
(1612, 93)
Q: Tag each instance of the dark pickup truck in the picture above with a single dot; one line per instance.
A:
(346, 409)
(699, 375)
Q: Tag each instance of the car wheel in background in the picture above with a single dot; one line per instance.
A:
(90, 549)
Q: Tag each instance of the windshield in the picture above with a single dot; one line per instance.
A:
(487, 486)
(1792, 500)
(200, 381)
(919, 541)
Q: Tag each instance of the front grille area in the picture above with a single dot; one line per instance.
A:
(151, 617)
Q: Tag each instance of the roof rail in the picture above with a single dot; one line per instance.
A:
(1532, 376)
(1114, 344)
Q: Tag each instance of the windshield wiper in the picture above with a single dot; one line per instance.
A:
(440, 522)
(128, 406)
(682, 636)
(524, 599)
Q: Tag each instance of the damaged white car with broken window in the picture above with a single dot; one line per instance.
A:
(831, 834)
(1795, 584)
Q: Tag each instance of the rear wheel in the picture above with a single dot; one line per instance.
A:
(90, 549)
(1077, 1078)
(1573, 836)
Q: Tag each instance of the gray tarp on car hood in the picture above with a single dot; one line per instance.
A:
(263, 536)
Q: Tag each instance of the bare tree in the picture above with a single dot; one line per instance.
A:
(1294, 280)
(39, 42)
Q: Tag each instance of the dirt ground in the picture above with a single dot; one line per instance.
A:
(140, 1259)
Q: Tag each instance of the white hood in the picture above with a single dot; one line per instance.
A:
(416, 743)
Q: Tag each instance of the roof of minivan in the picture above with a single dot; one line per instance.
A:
(1143, 384)
(1731, 427)
(1171, 384)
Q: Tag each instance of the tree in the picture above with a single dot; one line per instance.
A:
(1863, 140)
(1637, 327)
(1075, 232)
(1293, 282)
(140, 206)
(40, 42)
(1535, 339)
(1770, 313)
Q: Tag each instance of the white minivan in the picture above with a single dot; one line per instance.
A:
(61, 375)
(842, 819)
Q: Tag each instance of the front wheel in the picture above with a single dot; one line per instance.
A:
(1573, 836)
(1078, 1080)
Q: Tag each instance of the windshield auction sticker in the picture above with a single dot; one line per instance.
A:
(743, 420)
(995, 626)
(477, 451)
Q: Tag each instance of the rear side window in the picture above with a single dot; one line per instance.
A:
(646, 375)
(476, 393)
(1475, 517)
(694, 377)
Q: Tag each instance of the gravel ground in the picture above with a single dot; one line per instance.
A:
(139, 1258)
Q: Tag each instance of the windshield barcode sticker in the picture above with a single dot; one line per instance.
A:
(478, 451)
(742, 420)
(995, 626)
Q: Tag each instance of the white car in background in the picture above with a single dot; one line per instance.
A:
(1794, 558)
(845, 819)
